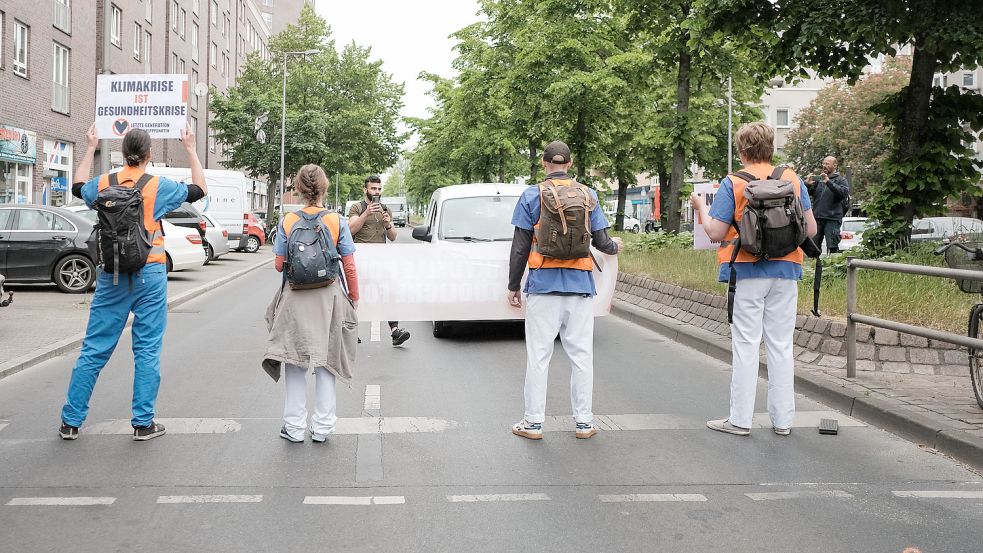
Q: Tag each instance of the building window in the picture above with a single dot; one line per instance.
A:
(226, 33)
(196, 7)
(194, 89)
(147, 41)
(184, 22)
(173, 62)
(63, 15)
(115, 27)
(137, 41)
(148, 6)
(182, 68)
(213, 55)
(268, 18)
(969, 79)
(194, 42)
(782, 118)
(2, 21)
(211, 139)
(58, 168)
(268, 3)
(174, 12)
(213, 13)
(194, 125)
(21, 39)
(60, 96)
(225, 69)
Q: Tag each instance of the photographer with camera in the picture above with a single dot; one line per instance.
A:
(371, 222)
(830, 194)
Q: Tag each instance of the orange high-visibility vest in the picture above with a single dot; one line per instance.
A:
(538, 260)
(331, 220)
(728, 244)
(128, 177)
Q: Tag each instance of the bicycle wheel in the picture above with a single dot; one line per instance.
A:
(976, 355)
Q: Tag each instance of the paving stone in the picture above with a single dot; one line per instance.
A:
(895, 367)
(923, 369)
(686, 317)
(865, 365)
(833, 361)
(808, 356)
(954, 357)
(814, 341)
(864, 333)
(866, 351)
(800, 321)
(924, 356)
(821, 326)
(832, 347)
(810, 324)
(802, 338)
(887, 353)
(837, 329)
(913, 341)
(886, 337)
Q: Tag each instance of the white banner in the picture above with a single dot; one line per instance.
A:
(157, 104)
(700, 239)
(450, 282)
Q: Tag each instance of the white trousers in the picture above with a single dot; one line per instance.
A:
(763, 306)
(572, 317)
(295, 402)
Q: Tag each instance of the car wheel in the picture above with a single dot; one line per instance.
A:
(635, 229)
(252, 244)
(74, 274)
(441, 329)
(170, 264)
(209, 254)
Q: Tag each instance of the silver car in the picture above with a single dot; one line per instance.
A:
(216, 239)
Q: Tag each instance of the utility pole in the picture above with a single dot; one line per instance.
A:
(730, 125)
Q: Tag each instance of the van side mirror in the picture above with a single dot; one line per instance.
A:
(422, 233)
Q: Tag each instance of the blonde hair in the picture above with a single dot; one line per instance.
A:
(756, 142)
(311, 183)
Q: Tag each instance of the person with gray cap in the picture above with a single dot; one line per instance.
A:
(559, 288)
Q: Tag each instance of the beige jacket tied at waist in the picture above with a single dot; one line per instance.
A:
(312, 328)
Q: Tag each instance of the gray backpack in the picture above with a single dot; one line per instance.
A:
(312, 255)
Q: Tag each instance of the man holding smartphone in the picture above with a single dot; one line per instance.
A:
(371, 222)
(829, 191)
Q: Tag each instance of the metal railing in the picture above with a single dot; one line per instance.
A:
(853, 318)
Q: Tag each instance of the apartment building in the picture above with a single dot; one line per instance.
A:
(52, 50)
(277, 14)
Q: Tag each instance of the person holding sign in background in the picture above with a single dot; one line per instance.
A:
(767, 289)
(142, 292)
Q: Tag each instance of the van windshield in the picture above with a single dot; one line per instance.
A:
(480, 218)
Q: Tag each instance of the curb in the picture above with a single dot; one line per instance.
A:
(926, 429)
(73, 342)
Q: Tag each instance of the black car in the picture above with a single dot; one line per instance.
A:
(45, 244)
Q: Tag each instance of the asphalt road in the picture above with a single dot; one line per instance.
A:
(424, 460)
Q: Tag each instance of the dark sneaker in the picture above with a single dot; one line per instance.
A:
(526, 429)
(288, 437)
(144, 433)
(68, 432)
(585, 430)
(400, 336)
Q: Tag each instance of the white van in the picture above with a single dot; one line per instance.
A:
(226, 200)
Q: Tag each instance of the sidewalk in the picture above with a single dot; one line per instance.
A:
(44, 322)
(937, 412)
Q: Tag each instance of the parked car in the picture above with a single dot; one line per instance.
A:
(943, 228)
(216, 238)
(852, 232)
(45, 244)
(631, 224)
(182, 245)
(255, 235)
(469, 213)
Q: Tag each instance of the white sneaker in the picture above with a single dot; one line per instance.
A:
(526, 429)
(317, 438)
(724, 425)
(585, 430)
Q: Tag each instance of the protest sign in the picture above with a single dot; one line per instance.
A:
(700, 239)
(450, 282)
(157, 104)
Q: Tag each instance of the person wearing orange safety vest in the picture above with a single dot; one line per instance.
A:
(143, 293)
(767, 290)
(559, 300)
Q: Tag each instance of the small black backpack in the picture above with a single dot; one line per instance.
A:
(121, 238)
(312, 259)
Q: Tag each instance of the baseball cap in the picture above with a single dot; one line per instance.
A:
(556, 152)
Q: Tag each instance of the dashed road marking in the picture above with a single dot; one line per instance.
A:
(498, 497)
(658, 421)
(813, 494)
(375, 332)
(939, 494)
(354, 500)
(61, 501)
(210, 499)
(654, 497)
(358, 425)
(173, 426)
(373, 397)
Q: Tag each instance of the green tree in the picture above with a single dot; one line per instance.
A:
(342, 109)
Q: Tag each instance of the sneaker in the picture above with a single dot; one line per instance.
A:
(144, 433)
(317, 438)
(68, 432)
(526, 429)
(585, 430)
(724, 425)
(288, 437)
(782, 431)
(400, 336)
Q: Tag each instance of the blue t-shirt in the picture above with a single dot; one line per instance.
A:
(723, 210)
(346, 245)
(170, 195)
(563, 281)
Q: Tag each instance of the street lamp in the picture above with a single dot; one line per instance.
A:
(283, 120)
(730, 126)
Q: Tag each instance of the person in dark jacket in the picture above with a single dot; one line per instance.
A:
(829, 191)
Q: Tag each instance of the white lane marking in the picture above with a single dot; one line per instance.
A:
(61, 501)
(643, 497)
(393, 425)
(939, 494)
(354, 500)
(4, 425)
(373, 397)
(173, 426)
(657, 421)
(375, 333)
(768, 496)
(498, 497)
(210, 499)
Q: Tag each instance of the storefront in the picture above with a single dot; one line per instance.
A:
(57, 172)
(18, 154)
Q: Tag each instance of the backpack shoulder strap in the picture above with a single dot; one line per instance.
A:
(144, 180)
(744, 176)
(778, 172)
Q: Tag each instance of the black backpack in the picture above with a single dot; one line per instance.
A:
(312, 259)
(121, 238)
